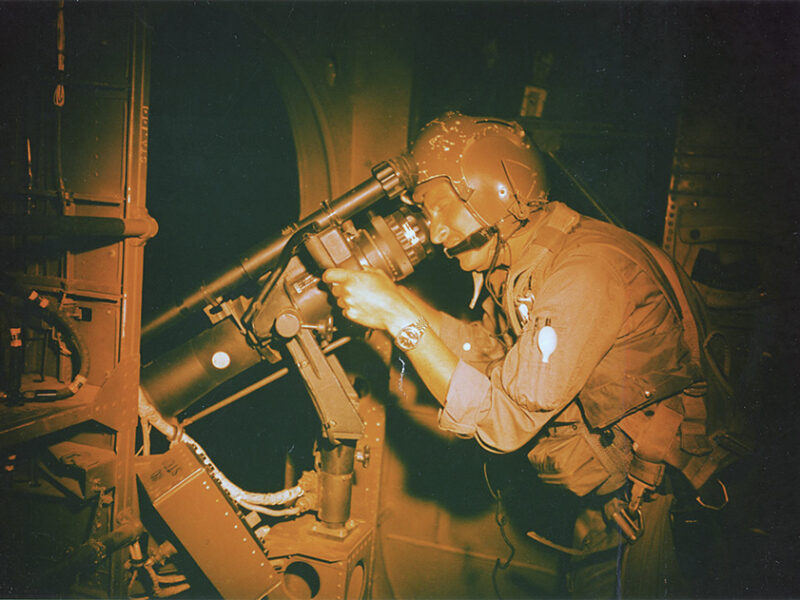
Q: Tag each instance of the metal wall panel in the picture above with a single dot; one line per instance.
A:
(83, 157)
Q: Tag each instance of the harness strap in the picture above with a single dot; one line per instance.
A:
(547, 241)
(610, 456)
(699, 469)
(664, 273)
(662, 268)
(693, 428)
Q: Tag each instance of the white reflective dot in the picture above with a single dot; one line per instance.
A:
(467, 346)
(502, 191)
(548, 340)
(221, 360)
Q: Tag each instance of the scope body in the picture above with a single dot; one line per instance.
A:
(390, 179)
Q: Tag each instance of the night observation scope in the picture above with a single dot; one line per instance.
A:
(290, 303)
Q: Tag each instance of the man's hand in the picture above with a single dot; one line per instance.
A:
(371, 299)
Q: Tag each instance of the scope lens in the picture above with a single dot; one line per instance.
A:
(411, 230)
(395, 243)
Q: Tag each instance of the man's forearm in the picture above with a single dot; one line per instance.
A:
(431, 315)
(432, 359)
(373, 300)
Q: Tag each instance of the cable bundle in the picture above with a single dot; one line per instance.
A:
(255, 501)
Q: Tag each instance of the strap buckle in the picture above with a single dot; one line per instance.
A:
(631, 525)
(628, 516)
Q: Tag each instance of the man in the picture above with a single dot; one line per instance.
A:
(586, 352)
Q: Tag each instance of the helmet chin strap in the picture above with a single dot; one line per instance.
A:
(472, 242)
(477, 240)
(492, 266)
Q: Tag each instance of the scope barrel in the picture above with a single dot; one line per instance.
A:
(388, 179)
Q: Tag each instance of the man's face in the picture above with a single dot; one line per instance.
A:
(451, 222)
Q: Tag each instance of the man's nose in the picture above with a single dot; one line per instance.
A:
(439, 233)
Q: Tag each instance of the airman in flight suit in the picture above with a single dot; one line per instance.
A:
(588, 348)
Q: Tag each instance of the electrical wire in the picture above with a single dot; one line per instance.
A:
(148, 413)
(598, 205)
(175, 583)
(501, 520)
(168, 579)
(78, 352)
(492, 266)
(286, 254)
(500, 244)
(173, 590)
(270, 512)
(181, 585)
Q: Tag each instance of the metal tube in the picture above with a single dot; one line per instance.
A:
(93, 552)
(183, 375)
(336, 482)
(255, 386)
(69, 226)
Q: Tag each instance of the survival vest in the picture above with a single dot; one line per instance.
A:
(690, 410)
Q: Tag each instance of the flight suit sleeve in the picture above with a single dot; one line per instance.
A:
(584, 300)
(470, 341)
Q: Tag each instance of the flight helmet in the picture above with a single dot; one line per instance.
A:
(490, 163)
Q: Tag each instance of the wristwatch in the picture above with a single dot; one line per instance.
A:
(410, 335)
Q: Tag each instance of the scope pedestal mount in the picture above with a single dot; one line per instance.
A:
(336, 403)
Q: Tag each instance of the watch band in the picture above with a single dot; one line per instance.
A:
(410, 335)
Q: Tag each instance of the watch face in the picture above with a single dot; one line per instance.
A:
(409, 337)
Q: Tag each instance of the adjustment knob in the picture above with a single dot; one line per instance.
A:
(288, 323)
